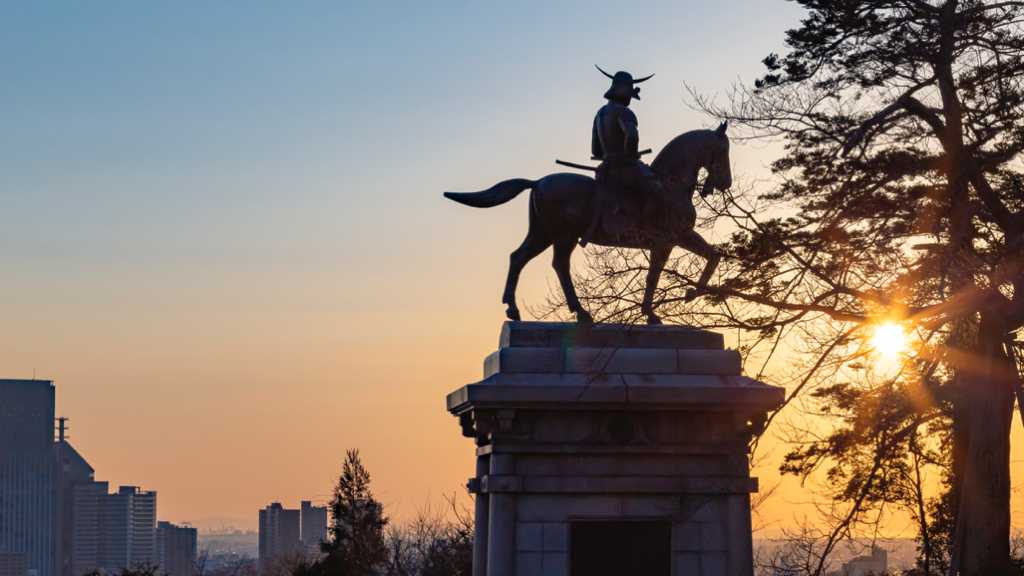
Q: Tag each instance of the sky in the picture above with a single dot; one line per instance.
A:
(222, 232)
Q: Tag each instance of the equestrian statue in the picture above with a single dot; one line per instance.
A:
(627, 204)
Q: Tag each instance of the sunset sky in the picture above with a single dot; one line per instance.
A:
(222, 232)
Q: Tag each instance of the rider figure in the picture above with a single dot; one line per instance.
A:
(615, 142)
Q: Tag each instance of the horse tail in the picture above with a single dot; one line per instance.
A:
(495, 195)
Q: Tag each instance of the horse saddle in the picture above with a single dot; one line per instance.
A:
(634, 214)
(621, 210)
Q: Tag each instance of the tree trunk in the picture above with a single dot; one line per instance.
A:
(961, 438)
(986, 490)
(961, 444)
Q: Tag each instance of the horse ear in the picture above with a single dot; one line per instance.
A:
(721, 128)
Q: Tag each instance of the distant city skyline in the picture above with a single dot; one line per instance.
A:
(56, 518)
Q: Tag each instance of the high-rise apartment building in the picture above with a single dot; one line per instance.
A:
(314, 524)
(143, 523)
(175, 549)
(114, 547)
(279, 533)
(88, 526)
(127, 528)
(111, 531)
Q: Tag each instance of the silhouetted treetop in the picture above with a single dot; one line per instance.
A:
(357, 546)
(902, 129)
(898, 198)
(901, 122)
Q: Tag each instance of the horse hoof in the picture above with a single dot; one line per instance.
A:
(513, 314)
(584, 317)
(653, 319)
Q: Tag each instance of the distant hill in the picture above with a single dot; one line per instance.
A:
(221, 524)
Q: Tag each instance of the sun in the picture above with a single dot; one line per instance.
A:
(888, 339)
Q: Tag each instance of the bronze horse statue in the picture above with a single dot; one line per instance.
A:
(560, 213)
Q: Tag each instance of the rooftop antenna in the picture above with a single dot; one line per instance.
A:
(33, 373)
(62, 428)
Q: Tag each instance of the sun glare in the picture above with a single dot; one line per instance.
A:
(888, 339)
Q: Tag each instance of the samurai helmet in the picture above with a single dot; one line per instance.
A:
(622, 86)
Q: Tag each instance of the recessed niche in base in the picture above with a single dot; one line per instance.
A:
(620, 548)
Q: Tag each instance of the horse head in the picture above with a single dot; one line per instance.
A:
(718, 165)
(684, 156)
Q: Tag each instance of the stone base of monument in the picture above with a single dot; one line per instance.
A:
(612, 450)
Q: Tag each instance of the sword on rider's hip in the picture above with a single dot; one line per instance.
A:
(592, 168)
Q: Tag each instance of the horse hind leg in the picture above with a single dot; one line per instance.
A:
(560, 262)
(531, 247)
(658, 258)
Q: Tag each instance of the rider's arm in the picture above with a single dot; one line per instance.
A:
(595, 141)
(628, 124)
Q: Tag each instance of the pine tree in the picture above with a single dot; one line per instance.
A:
(902, 123)
(357, 546)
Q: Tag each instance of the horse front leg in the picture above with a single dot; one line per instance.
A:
(563, 253)
(658, 258)
(695, 243)
(531, 247)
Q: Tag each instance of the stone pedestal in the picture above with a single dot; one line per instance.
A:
(612, 449)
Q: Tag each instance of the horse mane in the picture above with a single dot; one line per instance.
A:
(683, 152)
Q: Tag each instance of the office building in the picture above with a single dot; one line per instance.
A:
(175, 549)
(13, 564)
(30, 483)
(26, 415)
(279, 533)
(78, 519)
(314, 525)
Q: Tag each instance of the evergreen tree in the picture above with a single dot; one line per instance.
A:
(902, 124)
(357, 545)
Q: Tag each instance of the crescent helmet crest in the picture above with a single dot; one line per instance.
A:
(623, 85)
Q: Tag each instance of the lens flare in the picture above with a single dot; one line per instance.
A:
(888, 339)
